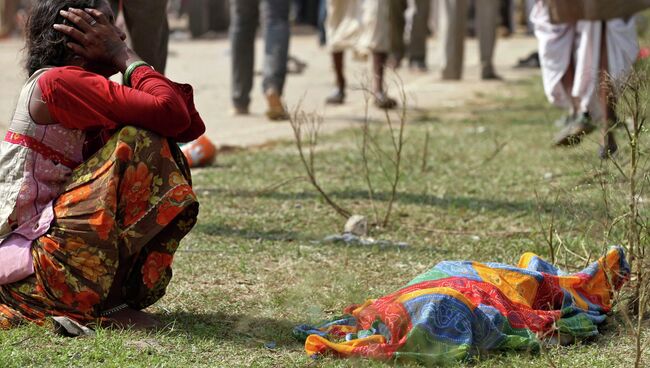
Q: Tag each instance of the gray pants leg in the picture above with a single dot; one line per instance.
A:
(244, 18)
(487, 17)
(420, 31)
(148, 28)
(452, 29)
(276, 44)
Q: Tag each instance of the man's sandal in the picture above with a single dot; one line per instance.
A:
(575, 131)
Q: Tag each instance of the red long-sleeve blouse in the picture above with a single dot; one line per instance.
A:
(78, 99)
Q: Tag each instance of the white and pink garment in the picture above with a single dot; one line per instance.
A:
(35, 163)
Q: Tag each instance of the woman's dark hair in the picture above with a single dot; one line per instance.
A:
(45, 45)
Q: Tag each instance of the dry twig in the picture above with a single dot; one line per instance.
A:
(311, 122)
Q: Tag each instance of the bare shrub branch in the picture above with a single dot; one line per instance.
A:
(398, 146)
(425, 152)
(629, 97)
(547, 233)
(388, 161)
(306, 128)
(365, 130)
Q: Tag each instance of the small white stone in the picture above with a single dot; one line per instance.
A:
(357, 225)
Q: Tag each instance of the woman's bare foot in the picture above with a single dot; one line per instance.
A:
(132, 319)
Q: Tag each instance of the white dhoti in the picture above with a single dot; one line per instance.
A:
(362, 25)
(559, 44)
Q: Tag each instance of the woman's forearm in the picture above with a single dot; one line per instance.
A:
(82, 100)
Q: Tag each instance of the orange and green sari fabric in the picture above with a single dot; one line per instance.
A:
(125, 208)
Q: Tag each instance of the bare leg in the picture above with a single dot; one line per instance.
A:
(577, 123)
(378, 67)
(567, 82)
(338, 96)
(337, 60)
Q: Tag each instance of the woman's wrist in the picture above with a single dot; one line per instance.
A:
(125, 58)
(126, 76)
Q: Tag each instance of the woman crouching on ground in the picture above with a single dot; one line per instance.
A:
(95, 195)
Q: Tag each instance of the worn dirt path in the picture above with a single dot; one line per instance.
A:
(206, 65)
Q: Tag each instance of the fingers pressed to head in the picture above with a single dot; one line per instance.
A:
(83, 15)
(76, 19)
(98, 15)
(70, 31)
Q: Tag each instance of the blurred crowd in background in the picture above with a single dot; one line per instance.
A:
(203, 16)
(392, 34)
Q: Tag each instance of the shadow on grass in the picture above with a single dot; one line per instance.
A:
(214, 229)
(522, 113)
(450, 202)
(238, 328)
(211, 228)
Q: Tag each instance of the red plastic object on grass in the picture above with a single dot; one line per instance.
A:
(200, 152)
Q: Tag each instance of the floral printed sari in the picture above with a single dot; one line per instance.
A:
(126, 208)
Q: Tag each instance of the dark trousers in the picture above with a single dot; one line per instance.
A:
(416, 49)
(244, 20)
(146, 21)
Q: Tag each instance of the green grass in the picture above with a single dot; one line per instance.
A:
(253, 268)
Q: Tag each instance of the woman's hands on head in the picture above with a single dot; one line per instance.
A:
(96, 39)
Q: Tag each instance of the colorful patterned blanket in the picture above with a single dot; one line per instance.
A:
(460, 309)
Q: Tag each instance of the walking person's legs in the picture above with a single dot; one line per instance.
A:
(528, 8)
(8, 8)
(376, 39)
(244, 18)
(506, 14)
(487, 15)
(453, 26)
(382, 100)
(397, 25)
(276, 52)
(338, 16)
(338, 96)
(583, 84)
(419, 35)
(148, 28)
(322, 18)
